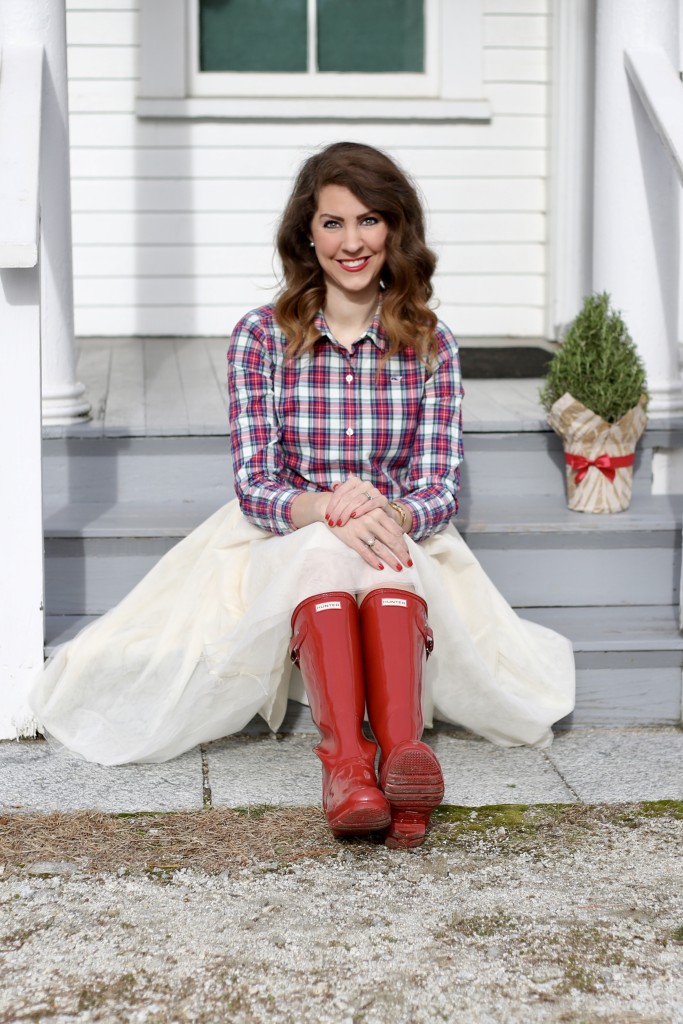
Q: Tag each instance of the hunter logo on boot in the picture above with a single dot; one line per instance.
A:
(396, 602)
(326, 605)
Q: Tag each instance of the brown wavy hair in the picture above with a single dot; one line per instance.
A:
(382, 186)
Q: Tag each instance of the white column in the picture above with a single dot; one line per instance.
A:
(44, 22)
(21, 629)
(21, 533)
(570, 213)
(636, 241)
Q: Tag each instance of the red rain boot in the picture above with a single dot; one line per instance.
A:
(395, 637)
(326, 646)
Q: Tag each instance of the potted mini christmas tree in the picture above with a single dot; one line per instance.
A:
(595, 395)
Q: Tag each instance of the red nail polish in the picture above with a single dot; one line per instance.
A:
(409, 563)
(339, 522)
(380, 566)
(399, 568)
(353, 515)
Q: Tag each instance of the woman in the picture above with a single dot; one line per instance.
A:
(345, 410)
(346, 439)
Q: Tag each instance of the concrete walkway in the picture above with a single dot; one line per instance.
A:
(582, 766)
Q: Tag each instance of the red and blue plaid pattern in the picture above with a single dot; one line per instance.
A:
(308, 423)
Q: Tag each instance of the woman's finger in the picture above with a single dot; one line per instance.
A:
(339, 493)
(356, 508)
(394, 550)
(390, 534)
(357, 538)
(353, 503)
(378, 540)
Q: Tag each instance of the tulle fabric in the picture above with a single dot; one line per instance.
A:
(199, 646)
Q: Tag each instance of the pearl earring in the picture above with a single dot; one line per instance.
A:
(312, 245)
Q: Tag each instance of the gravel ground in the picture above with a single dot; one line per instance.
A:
(582, 922)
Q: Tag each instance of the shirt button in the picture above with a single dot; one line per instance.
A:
(349, 432)
(349, 378)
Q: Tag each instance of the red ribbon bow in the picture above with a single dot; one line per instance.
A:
(607, 464)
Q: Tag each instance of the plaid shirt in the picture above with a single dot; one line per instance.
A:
(310, 422)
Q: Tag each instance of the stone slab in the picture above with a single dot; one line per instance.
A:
(585, 765)
(266, 770)
(477, 773)
(248, 770)
(615, 765)
(33, 777)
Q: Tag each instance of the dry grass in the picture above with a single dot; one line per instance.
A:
(212, 840)
(226, 840)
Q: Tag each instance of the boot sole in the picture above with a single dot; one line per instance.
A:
(360, 822)
(399, 842)
(413, 780)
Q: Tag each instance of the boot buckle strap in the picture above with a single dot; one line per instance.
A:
(429, 640)
(295, 645)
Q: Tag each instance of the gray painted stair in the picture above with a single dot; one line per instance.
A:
(535, 550)
(122, 489)
(113, 506)
(628, 663)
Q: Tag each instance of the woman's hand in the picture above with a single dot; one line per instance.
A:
(352, 499)
(377, 539)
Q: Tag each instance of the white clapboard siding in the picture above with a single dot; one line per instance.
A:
(102, 5)
(504, 321)
(94, 130)
(529, 31)
(107, 96)
(219, 228)
(516, 7)
(228, 163)
(516, 65)
(103, 62)
(466, 290)
(173, 220)
(220, 260)
(270, 195)
(101, 27)
(518, 98)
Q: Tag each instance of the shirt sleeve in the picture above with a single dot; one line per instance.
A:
(254, 431)
(434, 474)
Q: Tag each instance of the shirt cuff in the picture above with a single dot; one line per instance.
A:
(430, 516)
(283, 509)
(421, 520)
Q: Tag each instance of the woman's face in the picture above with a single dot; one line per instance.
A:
(349, 242)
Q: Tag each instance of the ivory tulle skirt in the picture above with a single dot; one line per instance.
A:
(200, 646)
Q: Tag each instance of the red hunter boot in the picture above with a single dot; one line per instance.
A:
(395, 637)
(326, 646)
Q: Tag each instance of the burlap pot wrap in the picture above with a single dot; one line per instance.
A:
(599, 455)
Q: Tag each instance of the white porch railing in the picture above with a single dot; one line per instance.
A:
(661, 92)
(21, 539)
(636, 195)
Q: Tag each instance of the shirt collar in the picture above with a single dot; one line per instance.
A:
(374, 332)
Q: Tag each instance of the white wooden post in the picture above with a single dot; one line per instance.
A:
(21, 537)
(63, 396)
(636, 242)
(570, 213)
(43, 22)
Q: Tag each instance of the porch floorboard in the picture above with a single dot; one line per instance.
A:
(159, 387)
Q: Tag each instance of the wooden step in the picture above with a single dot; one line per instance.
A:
(535, 550)
(138, 468)
(629, 662)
